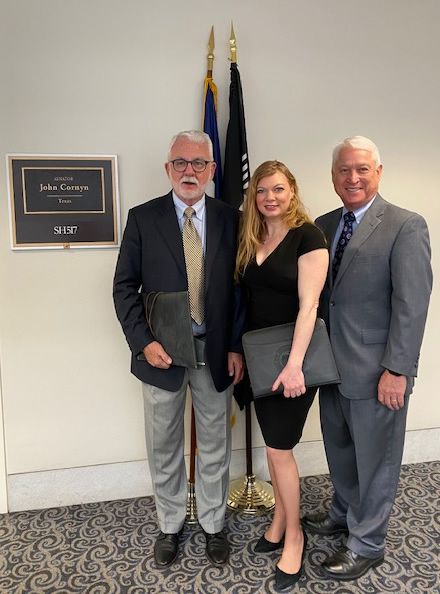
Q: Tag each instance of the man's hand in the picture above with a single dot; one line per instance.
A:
(157, 356)
(235, 367)
(391, 390)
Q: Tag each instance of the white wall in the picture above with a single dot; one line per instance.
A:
(121, 77)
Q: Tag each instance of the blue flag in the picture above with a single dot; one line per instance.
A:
(210, 127)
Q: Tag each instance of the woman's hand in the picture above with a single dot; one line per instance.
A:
(292, 379)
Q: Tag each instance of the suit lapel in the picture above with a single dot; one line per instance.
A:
(371, 219)
(329, 226)
(168, 226)
(214, 230)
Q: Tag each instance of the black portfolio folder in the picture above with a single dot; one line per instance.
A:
(169, 320)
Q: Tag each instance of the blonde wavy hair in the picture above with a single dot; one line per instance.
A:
(253, 226)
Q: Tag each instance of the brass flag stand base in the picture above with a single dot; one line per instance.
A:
(251, 496)
(248, 495)
(191, 506)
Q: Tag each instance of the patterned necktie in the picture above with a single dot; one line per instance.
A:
(346, 233)
(195, 267)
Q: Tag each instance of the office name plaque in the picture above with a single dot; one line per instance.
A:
(63, 201)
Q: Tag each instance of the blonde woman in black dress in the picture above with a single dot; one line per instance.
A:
(282, 263)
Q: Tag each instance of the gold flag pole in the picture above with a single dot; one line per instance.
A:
(211, 53)
(191, 504)
(249, 494)
(232, 46)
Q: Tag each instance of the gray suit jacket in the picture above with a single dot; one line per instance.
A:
(376, 308)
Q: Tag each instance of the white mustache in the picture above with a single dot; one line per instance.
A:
(189, 179)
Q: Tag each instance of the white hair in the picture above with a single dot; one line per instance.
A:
(357, 142)
(196, 136)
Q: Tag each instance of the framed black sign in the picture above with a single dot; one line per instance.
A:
(63, 201)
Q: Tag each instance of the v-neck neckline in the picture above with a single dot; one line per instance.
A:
(272, 252)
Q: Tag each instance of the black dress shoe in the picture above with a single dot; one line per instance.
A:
(266, 546)
(284, 580)
(348, 565)
(322, 523)
(217, 548)
(166, 549)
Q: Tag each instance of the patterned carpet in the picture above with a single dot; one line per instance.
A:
(107, 548)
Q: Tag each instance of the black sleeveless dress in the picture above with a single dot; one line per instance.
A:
(272, 298)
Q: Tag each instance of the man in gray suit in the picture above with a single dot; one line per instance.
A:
(375, 303)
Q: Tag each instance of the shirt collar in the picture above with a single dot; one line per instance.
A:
(359, 213)
(180, 207)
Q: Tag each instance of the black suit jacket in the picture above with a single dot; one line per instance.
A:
(151, 258)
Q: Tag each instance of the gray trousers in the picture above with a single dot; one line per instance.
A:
(164, 432)
(364, 445)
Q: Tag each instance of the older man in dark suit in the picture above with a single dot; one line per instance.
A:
(153, 258)
(375, 303)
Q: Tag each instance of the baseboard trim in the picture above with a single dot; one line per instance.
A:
(125, 480)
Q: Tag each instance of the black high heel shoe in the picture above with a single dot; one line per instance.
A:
(287, 580)
(266, 546)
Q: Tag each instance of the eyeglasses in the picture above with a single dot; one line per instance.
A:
(198, 165)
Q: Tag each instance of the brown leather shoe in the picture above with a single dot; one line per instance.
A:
(348, 565)
(321, 523)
